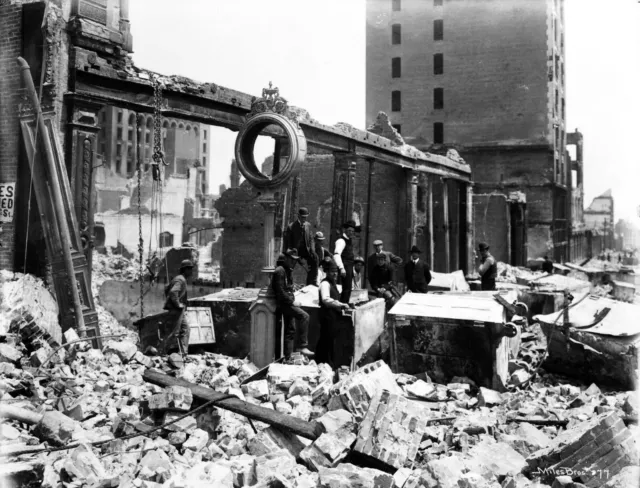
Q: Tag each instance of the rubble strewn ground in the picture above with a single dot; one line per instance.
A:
(378, 429)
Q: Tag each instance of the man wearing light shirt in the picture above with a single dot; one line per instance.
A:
(344, 256)
(358, 266)
(330, 308)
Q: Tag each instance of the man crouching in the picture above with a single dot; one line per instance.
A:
(282, 285)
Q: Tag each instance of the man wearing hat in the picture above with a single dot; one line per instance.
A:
(343, 255)
(330, 308)
(176, 304)
(282, 285)
(372, 260)
(488, 268)
(381, 275)
(416, 272)
(299, 236)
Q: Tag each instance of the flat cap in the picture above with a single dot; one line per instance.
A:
(377, 242)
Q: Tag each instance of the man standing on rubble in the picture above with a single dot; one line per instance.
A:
(547, 265)
(176, 304)
(417, 274)
(282, 285)
(488, 269)
(344, 256)
(299, 236)
(330, 309)
(372, 260)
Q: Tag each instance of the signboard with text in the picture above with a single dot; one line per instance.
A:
(7, 201)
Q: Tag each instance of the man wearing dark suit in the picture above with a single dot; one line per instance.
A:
(416, 272)
(299, 236)
(389, 257)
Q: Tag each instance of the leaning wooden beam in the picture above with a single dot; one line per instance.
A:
(308, 430)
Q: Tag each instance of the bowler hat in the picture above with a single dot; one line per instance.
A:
(483, 246)
(319, 236)
(358, 259)
(377, 242)
(292, 253)
(186, 264)
(415, 249)
(304, 211)
(349, 223)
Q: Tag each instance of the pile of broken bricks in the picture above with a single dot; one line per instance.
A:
(86, 417)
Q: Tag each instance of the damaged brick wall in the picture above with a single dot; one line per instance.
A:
(10, 49)
(492, 223)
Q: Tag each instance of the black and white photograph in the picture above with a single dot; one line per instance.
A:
(319, 243)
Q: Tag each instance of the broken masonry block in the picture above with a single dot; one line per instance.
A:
(489, 398)
(197, 440)
(173, 397)
(591, 447)
(257, 389)
(392, 429)
(125, 350)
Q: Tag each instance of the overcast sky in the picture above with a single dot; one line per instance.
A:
(314, 51)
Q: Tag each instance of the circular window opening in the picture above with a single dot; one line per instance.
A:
(266, 149)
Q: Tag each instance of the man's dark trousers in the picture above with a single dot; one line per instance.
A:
(312, 264)
(291, 313)
(347, 282)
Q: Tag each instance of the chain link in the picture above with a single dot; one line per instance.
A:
(139, 125)
(158, 154)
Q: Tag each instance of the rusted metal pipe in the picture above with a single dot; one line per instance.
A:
(57, 196)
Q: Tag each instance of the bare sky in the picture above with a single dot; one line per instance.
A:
(314, 51)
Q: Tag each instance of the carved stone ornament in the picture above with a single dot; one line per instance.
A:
(271, 101)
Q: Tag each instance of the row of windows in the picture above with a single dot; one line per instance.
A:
(438, 131)
(438, 99)
(438, 65)
(396, 5)
(438, 32)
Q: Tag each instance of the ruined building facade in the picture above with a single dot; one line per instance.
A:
(487, 78)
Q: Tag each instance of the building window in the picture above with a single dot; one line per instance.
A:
(119, 117)
(119, 133)
(205, 133)
(129, 167)
(396, 5)
(438, 98)
(118, 165)
(147, 137)
(396, 67)
(130, 134)
(437, 3)
(438, 30)
(396, 101)
(204, 161)
(396, 34)
(119, 150)
(438, 133)
(563, 108)
(165, 239)
(438, 64)
(398, 128)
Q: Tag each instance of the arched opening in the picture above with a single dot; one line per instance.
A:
(165, 239)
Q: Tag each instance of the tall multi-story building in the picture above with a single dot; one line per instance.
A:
(186, 205)
(485, 77)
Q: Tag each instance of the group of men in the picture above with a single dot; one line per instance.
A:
(325, 270)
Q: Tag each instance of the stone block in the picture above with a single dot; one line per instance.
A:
(328, 450)
(498, 457)
(337, 420)
(257, 389)
(528, 439)
(196, 441)
(489, 398)
(320, 394)
(125, 350)
(276, 462)
(173, 397)
(357, 390)
(188, 424)
(9, 354)
(299, 387)
(140, 358)
(349, 476)
(218, 474)
(392, 429)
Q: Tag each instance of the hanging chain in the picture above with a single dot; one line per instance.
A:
(158, 155)
(139, 122)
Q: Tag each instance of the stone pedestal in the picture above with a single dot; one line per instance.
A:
(263, 310)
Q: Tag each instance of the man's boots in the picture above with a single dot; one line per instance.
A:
(306, 352)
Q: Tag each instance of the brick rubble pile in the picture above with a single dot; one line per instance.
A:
(376, 428)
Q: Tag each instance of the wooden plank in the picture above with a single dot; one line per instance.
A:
(308, 430)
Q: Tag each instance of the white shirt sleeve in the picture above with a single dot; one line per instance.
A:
(325, 293)
(337, 253)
